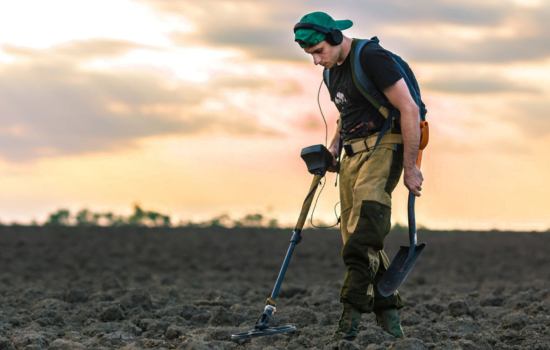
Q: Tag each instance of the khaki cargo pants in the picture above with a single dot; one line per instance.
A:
(365, 197)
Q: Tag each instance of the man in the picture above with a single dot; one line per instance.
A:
(365, 185)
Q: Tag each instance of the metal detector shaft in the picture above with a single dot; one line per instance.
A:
(318, 160)
(296, 236)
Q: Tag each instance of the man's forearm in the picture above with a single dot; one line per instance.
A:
(399, 96)
(410, 129)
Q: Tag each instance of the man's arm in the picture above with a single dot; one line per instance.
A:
(399, 96)
(334, 148)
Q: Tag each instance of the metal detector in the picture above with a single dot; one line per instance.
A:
(318, 159)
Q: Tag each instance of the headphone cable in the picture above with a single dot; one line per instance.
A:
(321, 110)
(324, 182)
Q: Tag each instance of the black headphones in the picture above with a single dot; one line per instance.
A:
(333, 35)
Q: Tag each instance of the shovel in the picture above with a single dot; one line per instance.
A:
(406, 257)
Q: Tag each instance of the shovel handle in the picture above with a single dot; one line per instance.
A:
(419, 159)
(412, 222)
(424, 127)
(425, 132)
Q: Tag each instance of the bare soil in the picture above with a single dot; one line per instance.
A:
(190, 288)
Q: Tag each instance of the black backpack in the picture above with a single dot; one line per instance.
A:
(376, 97)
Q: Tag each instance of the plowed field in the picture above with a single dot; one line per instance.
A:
(132, 288)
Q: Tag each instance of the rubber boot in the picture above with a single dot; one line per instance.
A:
(348, 325)
(389, 321)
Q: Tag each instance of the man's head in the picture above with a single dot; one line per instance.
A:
(316, 27)
(320, 36)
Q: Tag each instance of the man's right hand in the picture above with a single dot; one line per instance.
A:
(334, 167)
(413, 180)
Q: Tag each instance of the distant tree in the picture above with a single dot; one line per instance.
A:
(253, 220)
(219, 221)
(273, 223)
(400, 229)
(166, 221)
(152, 217)
(319, 223)
(59, 218)
(86, 218)
(422, 227)
(189, 224)
(119, 221)
(109, 218)
(112, 220)
(398, 226)
(156, 219)
(137, 217)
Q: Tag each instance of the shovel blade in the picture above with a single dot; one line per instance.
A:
(399, 269)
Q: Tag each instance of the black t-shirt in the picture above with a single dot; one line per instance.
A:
(359, 118)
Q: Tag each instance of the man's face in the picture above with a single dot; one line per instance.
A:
(324, 54)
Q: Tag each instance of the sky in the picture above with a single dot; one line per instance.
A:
(201, 108)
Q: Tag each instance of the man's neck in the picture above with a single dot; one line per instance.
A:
(345, 49)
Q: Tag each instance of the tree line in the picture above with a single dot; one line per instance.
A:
(148, 218)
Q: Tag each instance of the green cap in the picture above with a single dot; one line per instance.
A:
(310, 37)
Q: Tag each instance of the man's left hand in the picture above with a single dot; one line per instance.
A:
(413, 180)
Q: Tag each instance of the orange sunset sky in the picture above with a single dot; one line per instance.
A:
(200, 108)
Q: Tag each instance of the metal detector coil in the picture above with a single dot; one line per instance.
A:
(260, 333)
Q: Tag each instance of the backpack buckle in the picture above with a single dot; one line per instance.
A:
(348, 150)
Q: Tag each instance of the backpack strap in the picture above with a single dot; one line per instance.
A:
(360, 79)
(363, 84)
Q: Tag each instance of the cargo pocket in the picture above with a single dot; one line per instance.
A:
(396, 168)
(374, 224)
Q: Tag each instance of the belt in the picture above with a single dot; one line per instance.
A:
(367, 144)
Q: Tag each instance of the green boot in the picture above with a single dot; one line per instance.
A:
(348, 325)
(389, 321)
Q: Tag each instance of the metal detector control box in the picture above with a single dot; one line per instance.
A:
(318, 159)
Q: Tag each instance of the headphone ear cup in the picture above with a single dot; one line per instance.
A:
(336, 37)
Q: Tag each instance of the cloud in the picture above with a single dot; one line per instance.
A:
(83, 49)
(498, 50)
(476, 84)
(51, 108)
(258, 28)
(468, 13)
(487, 31)
(530, 117)
(256, 43)
(263, 29)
